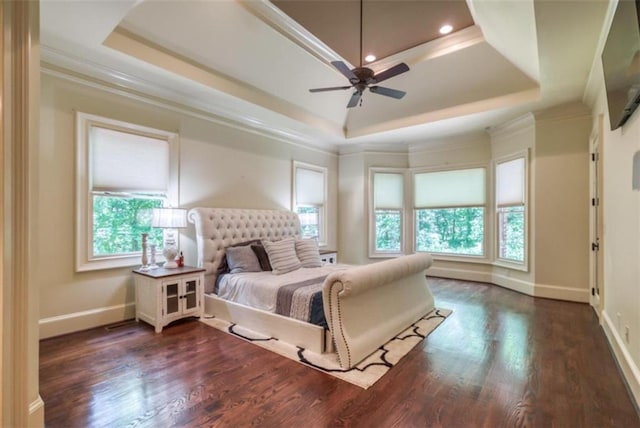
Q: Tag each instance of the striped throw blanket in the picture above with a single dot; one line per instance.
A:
(302, 301)
(296, 294)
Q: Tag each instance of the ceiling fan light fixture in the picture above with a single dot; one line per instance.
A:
(446, 29)
(363, 78)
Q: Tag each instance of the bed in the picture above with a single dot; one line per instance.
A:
(364, 306)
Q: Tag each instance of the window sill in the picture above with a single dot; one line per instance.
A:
(112, 262)
(458, 258)
(385, 255)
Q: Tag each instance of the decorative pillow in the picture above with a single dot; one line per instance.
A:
(242, 259)
(308, 253)
(282, 255)
(224, 266)
(263, 257)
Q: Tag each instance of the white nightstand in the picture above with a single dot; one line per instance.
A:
(166, 295)
(329, 256)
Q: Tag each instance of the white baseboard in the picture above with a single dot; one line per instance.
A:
(77, 321)
(524, 287)
(462, 274)
(580, 295)
(625, 362)
(36, 413)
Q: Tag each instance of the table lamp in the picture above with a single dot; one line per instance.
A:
(169, 219)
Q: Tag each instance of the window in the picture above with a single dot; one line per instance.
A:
(510, 209)
(123, 172)
(388, 209)
(449, 211)
(309, 199)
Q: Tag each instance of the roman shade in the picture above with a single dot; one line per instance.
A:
(444, 189)
(388, 191)
(510, 183)
(128, 162)
(309, 186)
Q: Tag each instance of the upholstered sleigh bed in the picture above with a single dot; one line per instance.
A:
(364, 306)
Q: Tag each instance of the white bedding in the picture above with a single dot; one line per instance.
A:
(260, 289)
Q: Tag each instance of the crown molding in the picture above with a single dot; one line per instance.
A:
(515, 126)
(454, 142)
(293, 31)
(512, 99)
(288, 27)
(65, 66)
(144, 50)
(392, 149)
(445, 45)
(563, 112)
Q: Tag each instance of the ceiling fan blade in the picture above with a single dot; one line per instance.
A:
(390, 72)
(393, 93)
(354, 99)
(346, 71)
(335, 88)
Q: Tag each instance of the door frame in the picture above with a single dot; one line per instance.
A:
(596, 218)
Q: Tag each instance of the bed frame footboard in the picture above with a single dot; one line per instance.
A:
(368, 305)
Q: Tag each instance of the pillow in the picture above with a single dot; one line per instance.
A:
(242, 259)
(224, 266)
(308, 253)
(263, 257)
(282, 255)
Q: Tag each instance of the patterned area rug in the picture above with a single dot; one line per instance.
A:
(365, 374)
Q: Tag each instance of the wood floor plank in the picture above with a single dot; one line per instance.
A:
(501, 359)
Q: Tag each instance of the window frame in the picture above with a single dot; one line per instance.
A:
(85, 260)
(373, 251)
(498, 261)
(322, 208)
(485, 257)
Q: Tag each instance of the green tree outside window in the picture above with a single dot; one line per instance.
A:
(119, 222)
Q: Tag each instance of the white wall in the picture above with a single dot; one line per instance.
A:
(219, 166)
(354, 199)
(561, 211)
(621, 240)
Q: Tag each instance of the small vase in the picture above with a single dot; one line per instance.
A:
(152, 261)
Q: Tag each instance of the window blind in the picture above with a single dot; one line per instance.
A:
(309, 187)
(510, 183)
(127, 162)
(443, 189)
(388, 191)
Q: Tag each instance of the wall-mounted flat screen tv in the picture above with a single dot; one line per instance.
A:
(621, 62)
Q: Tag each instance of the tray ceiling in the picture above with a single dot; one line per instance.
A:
(254, 61)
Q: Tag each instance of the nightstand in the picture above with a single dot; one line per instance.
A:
(166, 295)
(329, 256)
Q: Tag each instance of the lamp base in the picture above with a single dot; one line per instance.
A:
(170, 265)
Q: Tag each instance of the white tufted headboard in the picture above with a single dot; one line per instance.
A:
(217, 228)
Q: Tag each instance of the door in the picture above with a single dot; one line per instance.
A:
(190, 296)
(171, 300)
(596, 260)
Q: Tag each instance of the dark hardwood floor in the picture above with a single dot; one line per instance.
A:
(501, 360)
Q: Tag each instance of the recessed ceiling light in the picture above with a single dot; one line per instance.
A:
(370, 58)
(446, 29)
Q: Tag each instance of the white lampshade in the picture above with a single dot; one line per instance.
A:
(171, 218)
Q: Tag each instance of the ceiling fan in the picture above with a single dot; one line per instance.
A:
(361, 78)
